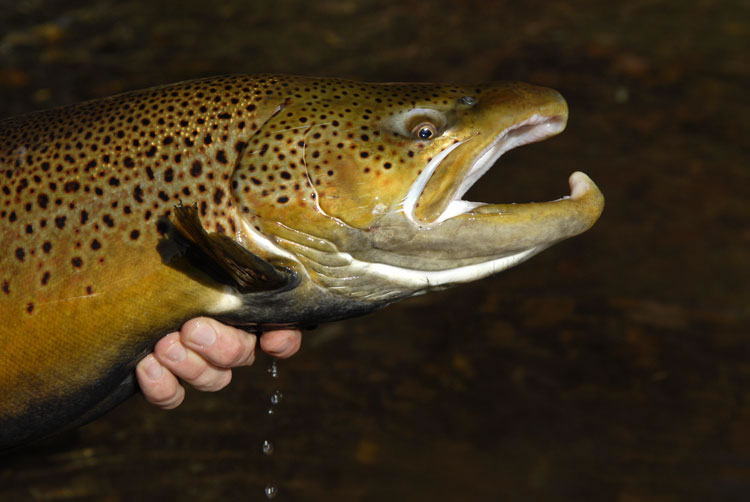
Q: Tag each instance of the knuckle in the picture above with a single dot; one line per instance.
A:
(213, 382)
(163, 394)
(194, 371)
(174, 400)
(239, 353)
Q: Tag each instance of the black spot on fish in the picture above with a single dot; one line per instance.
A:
(77, 261)
(71, 186)
(60, 222)
(20, 254)
(218, 195)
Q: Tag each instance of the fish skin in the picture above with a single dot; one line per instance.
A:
(259, 200)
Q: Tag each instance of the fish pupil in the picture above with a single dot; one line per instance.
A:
(425, 133)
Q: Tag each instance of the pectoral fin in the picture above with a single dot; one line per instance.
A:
(250, 272)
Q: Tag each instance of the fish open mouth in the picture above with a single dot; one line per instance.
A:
(533, 129)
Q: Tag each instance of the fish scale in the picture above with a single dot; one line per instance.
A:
(261, 200)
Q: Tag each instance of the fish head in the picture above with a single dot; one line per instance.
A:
(370, 177)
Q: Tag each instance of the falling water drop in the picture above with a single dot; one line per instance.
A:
(271, 491)
(274, 369)
(276, 397)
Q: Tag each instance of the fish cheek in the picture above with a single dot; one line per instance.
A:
(359, 183)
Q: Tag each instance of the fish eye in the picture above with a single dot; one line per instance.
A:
(424, 131)
(422, 124)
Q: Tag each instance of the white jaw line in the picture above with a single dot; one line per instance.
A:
(540, 127)
(410, 201)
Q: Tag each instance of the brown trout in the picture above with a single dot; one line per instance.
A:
(258, 200)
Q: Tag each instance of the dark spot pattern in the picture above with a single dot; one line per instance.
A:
(86, 190)
(96, 180)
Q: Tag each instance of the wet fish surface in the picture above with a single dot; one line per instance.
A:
(259, 200)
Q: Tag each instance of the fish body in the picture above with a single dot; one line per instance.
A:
(258, 200)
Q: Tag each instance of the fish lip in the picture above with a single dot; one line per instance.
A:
(531, 130)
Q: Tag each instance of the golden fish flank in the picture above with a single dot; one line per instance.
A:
(255, 199)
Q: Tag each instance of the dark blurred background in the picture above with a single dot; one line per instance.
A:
(613, 366)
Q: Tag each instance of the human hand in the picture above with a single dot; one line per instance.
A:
(202, 353)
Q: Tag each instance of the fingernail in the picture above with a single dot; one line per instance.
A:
(203, 334)
(176, 352)
(153, 369)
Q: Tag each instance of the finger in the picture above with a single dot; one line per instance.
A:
(281, 343)
(158, 385)
(223, 346)
(190, 366)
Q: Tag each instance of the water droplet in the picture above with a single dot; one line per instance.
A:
(271, 411)
(276, 397)
(273, 370)
(267, 447)
(271, 491)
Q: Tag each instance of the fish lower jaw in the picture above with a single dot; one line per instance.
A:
(582, 189)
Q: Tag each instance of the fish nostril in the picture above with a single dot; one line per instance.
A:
(467, 100)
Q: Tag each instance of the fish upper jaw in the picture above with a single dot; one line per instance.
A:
(535, 128)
